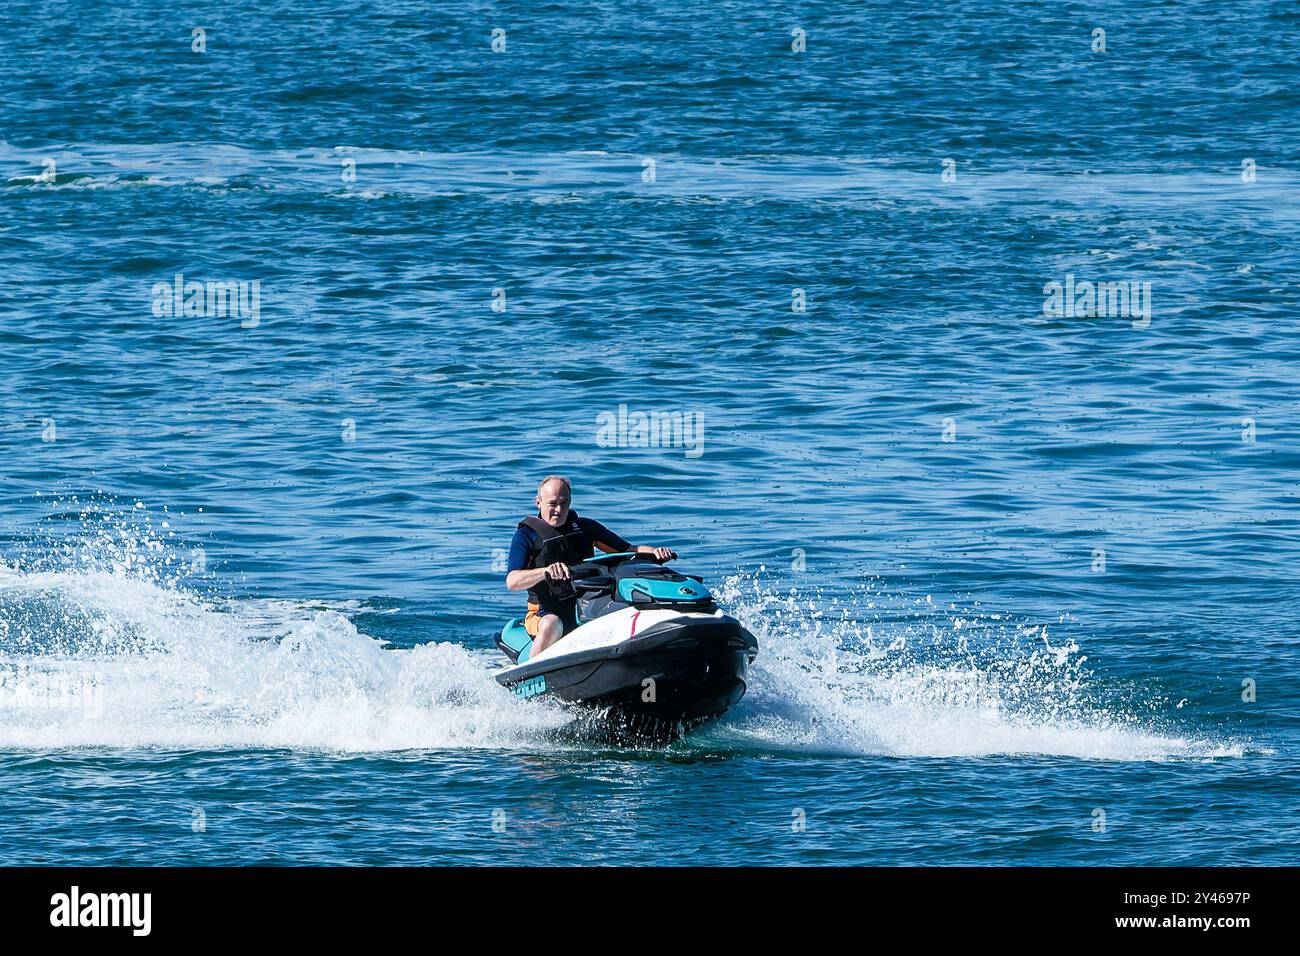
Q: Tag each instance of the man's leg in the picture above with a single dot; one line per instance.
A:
(549, 630)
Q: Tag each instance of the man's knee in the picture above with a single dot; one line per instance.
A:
(549, 630)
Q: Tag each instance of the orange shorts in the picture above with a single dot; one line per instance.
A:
(533, 619)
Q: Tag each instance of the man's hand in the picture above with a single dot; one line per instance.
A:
(559, 571)
(664, 554)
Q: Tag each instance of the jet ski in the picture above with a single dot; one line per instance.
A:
(652, 653)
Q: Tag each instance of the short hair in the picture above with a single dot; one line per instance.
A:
(568, 485)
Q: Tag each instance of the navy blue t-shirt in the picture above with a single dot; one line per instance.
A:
(597, 534)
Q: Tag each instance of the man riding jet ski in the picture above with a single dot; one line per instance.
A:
(620, 632)
(545, 545)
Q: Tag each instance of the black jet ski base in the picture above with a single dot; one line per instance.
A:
(656, 685)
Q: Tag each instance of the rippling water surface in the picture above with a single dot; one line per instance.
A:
(1024, 583)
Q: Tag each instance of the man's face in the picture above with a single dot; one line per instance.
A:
(553, 503)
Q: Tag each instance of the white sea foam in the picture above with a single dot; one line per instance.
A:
(570, 176)
(943, 685)
(109, 648)
(103, 659)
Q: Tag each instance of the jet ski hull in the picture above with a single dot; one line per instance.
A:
(675, 674)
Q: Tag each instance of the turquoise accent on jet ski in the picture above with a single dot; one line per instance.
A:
(612, 557)
(516, 638)
(662, 590)
(531, 687)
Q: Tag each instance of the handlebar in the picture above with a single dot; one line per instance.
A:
(597, 566)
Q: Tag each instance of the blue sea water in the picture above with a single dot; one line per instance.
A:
(1024, 583)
